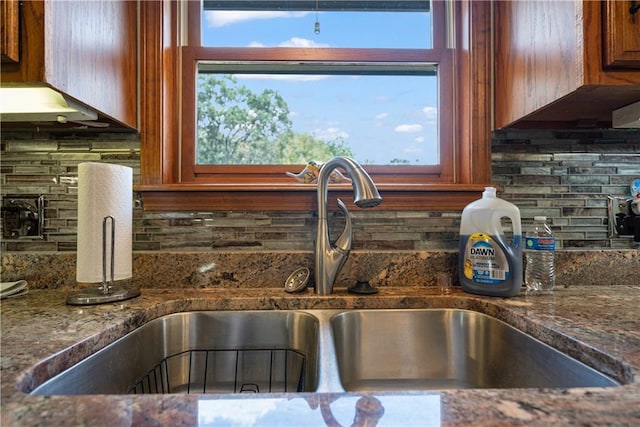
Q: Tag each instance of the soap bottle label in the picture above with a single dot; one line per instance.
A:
(484, 260)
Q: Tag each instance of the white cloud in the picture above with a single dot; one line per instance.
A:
(408, 128)
(292, 42)
(382, 116)
(431, 113)
(300, 42)
(235, 412)
(330, 133)
(412, 150)
(220, 18)
(419, 140)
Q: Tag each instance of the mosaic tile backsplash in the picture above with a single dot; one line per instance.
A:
(565, 175)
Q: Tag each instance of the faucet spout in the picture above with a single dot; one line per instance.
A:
(328, 258)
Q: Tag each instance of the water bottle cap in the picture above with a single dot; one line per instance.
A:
(539, 218)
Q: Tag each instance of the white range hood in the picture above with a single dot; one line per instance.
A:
(40, 104)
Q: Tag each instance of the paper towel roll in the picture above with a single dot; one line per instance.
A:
(103, 190)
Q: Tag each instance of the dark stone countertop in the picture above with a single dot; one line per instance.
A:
(599, 325)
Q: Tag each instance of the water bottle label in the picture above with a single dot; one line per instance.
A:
(540, 243)
(484, 260)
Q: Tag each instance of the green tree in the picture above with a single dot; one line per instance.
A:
(239, 126)
(236, 125)
(299, 148)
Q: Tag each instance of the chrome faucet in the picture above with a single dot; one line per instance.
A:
(328, 258)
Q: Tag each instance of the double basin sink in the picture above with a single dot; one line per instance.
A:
(322, 351)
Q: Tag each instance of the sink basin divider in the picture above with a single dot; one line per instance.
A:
(329, 376)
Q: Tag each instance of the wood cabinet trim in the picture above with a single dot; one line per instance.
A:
(621, 35)
(10, 35)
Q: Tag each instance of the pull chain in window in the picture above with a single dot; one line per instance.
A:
(316, 27)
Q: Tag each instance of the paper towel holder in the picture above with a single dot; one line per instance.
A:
(106, 291)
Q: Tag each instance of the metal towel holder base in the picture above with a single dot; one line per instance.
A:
(107, 291)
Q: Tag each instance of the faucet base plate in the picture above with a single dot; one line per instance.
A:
(363, 288)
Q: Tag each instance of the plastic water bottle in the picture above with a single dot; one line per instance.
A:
(540, 273)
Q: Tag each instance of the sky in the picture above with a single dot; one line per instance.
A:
(380, 117)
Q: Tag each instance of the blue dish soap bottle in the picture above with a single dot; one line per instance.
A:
(488, 263)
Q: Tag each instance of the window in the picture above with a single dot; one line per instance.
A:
(377, 116)
(310, 23)
(334, 102)
(184, 165)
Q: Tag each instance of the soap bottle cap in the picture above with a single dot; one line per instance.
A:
(489, 192)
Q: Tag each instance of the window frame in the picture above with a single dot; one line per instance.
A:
(170, 180)
(192, 172)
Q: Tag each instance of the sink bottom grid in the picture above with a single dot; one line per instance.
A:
(225, 371)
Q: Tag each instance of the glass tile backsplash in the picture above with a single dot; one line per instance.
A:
(565, 175)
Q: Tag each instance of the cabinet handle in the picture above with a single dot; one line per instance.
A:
(634, 7)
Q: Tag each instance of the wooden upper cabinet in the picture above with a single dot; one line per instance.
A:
(622, 34)
(550, 70)
(86, 50)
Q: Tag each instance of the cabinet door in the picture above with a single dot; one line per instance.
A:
(621, 35)
(10, 35)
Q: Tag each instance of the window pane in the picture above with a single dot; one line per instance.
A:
(285, 118)
(343, 24)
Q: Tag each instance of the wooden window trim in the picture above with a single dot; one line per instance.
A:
(162, 183)
(191, 172)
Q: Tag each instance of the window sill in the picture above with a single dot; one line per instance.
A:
(300, 197)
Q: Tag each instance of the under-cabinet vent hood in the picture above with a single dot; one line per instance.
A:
(40, 104)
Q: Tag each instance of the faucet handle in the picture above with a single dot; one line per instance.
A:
(344, 241)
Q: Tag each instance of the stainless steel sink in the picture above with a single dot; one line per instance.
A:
(323, 351)
(444, 349)
(197, 352)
